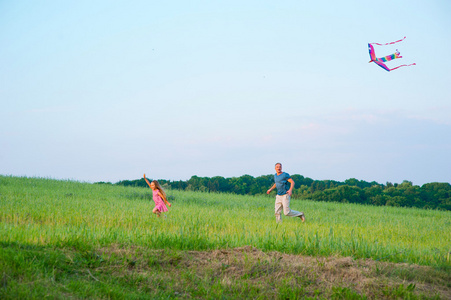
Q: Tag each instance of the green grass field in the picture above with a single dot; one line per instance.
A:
(67, 227)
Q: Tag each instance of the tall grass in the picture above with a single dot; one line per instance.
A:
(55, 213)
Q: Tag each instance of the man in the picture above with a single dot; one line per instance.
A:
(284, 185)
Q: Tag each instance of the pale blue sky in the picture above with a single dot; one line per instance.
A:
(108, 90)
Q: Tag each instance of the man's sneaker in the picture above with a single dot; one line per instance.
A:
(302, 218)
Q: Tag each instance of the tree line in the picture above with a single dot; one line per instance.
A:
(433, 195)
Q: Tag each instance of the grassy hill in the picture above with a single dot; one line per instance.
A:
(69, 239)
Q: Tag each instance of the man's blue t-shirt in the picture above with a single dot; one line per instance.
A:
(282, 183)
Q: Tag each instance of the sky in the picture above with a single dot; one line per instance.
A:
(109, 90)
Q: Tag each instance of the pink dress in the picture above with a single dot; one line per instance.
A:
(159, 203)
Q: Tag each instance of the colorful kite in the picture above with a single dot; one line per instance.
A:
(380, 61)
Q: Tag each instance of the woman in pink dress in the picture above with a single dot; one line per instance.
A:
(159, 197)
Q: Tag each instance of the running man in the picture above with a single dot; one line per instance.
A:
(284, 185)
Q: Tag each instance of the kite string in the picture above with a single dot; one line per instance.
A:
(389, 43)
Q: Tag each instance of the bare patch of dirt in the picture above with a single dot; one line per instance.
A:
(267, 270)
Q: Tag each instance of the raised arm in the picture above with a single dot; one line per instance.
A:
(148, 183)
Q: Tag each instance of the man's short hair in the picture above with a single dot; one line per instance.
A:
(278, 164)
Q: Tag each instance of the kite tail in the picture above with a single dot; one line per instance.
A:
(389, 43)
(403, 66)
